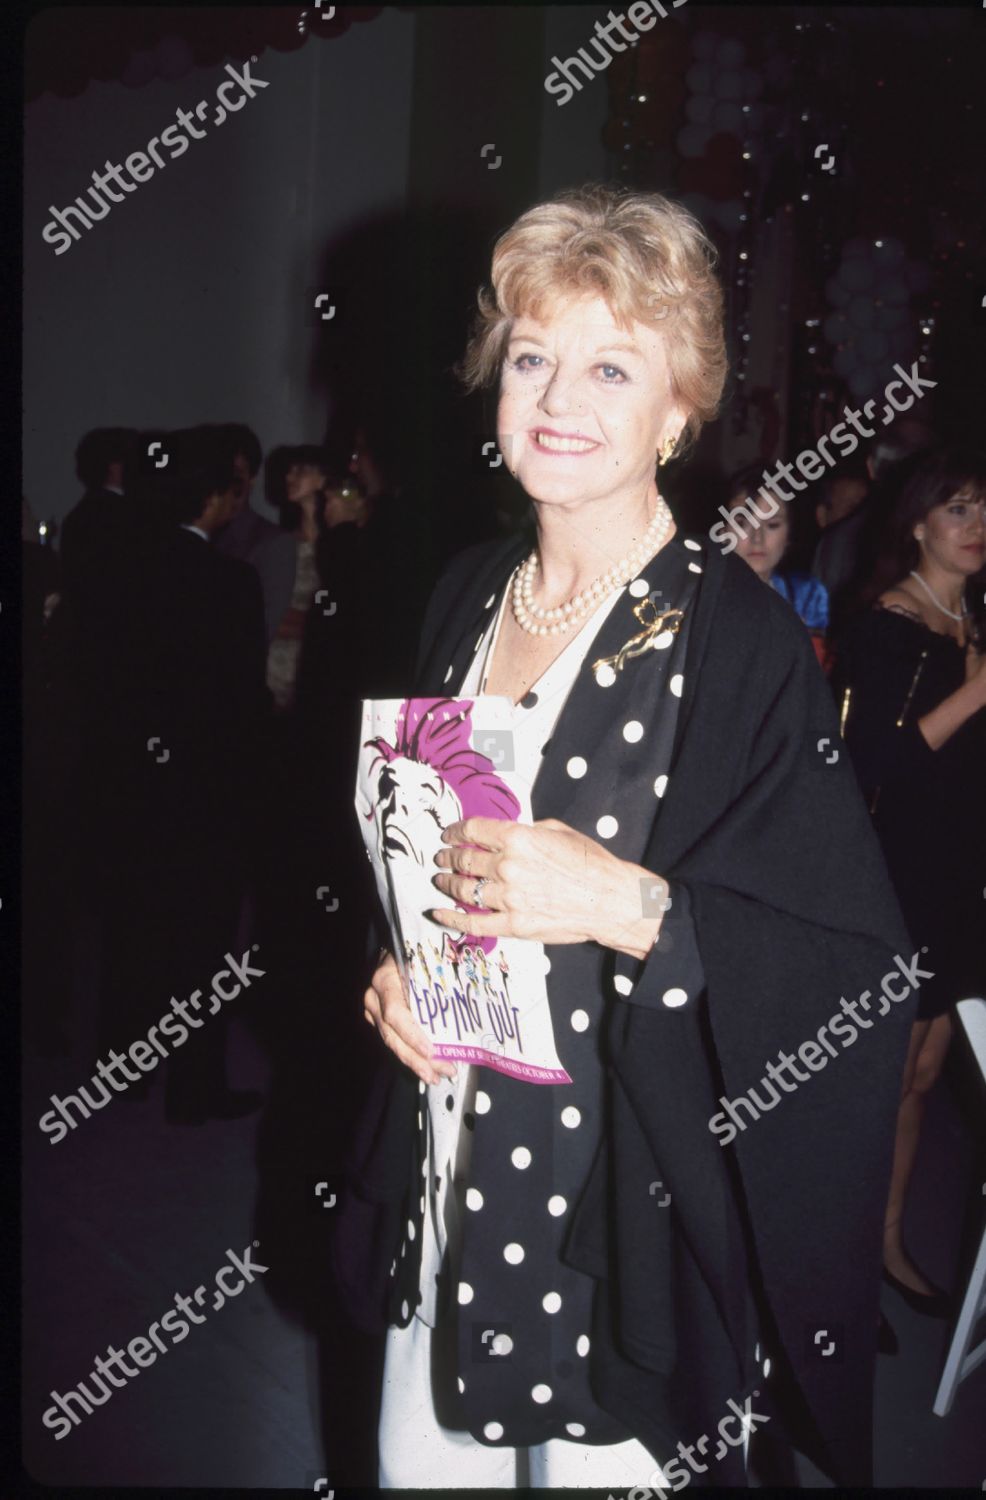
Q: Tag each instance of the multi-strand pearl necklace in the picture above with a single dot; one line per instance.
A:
(537, 621)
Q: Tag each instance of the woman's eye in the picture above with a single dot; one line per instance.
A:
(519, 364)
(608, 378)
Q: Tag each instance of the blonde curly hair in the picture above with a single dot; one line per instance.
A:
(646, 255)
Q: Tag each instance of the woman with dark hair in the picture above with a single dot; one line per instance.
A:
(912, 680)
(312, 500)
(584, 1280)
(763, 540)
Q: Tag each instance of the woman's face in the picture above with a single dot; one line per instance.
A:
(303, 482)
(762, 544)
(954, 534)
(415, 805)
(584, 404)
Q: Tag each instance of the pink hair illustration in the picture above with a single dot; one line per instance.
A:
(435, 733)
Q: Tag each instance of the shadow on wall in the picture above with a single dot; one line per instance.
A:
(404, 287)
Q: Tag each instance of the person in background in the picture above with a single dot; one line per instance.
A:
(103, 518)
(764, 537)
(306, 494)
(911, 678)
(178, 770)
(838, 514)
(251, 537)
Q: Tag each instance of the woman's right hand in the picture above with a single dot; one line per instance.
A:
(975, 670)
(386, 1007)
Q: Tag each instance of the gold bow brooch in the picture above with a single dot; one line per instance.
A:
(650, 638)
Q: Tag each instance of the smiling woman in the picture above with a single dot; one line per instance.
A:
(665, 713)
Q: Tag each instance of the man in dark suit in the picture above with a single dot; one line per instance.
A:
(253, 539)
(104, 515)
(191, 663)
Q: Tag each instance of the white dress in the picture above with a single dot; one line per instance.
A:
(416, 1449)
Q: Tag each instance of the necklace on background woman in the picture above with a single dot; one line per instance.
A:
(935, 600)
(538, 621)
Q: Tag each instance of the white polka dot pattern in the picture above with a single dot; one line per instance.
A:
(606, 826)
(674, 998)
(521, 1157)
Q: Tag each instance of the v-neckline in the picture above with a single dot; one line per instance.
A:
(607, 604)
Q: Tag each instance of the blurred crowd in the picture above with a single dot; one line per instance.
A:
(193, 674)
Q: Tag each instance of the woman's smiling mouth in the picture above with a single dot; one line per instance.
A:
(549, 441)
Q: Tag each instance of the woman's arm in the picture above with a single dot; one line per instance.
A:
(941, 723)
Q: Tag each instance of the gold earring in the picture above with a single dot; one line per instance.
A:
(666, 449)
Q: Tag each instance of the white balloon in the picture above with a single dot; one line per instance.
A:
(727, 117)
(837, 328)
(889, 252)
(890, 315)
(861, 312)
(894, 289)
(836, 293)
(873, 345)
(691, 140)
(752, 84)
(699, 108)
(728, 84)
(730, 53)
(844, 360)
(857, 274)
(864, 381)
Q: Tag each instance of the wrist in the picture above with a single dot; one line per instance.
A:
(637, 911)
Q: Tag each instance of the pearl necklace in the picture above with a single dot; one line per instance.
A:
(935, 600)
(538, 621)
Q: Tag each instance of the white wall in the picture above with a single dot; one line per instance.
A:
(188, 302)
(571, 147)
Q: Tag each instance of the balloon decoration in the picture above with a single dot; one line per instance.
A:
(68, 47)
(871, 327)
(723, 121)
(810, 113)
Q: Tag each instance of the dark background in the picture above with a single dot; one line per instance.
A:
(359, 170)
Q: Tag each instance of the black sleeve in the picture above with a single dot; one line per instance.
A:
(882, 658)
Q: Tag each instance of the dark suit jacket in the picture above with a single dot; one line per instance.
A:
(191, 672)
(763, 825)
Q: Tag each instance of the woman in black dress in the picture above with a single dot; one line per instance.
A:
(913, 685)
(626, 1271)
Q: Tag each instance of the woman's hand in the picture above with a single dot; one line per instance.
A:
(386, 1007)
(975, 669)
(547, 882)
(342, 506)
